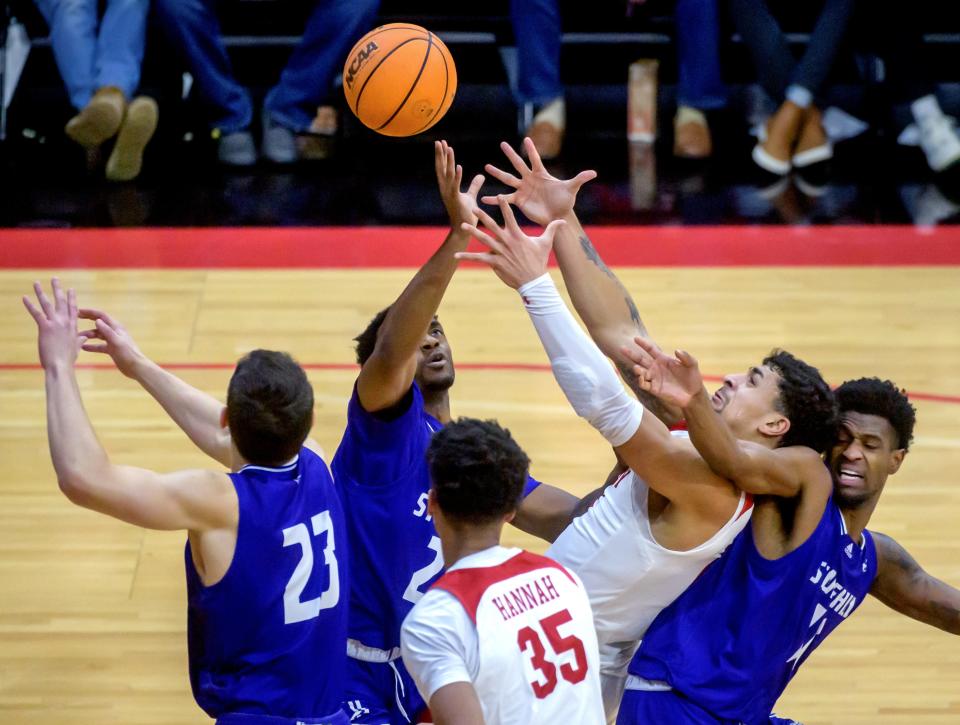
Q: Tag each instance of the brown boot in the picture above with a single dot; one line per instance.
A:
(137, 129)
(100, 119)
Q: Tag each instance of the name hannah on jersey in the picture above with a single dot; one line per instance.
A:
(523, 599)
(841, 601)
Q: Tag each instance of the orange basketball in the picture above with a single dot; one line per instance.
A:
(399, 79)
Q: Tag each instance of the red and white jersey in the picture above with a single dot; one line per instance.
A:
(629, 577)
(519, 627)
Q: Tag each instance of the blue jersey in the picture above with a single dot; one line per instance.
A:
(733, 640)
(270, 637)
(381, 469)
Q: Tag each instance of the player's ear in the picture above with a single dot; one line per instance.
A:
(223, 417)
(507, 518)
(775, 426)
(432, 507)
(896, 458)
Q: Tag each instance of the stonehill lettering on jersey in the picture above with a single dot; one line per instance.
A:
(841, 601)
(525, 598)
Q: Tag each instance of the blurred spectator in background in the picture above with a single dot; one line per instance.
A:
(538, 92)
(794, 136)
(301, 103)
(700, 86)
(99, 61)
(882, 27)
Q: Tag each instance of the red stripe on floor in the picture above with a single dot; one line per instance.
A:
(391, 247)
(496, 366)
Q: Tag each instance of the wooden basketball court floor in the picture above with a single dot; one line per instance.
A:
(92, 611)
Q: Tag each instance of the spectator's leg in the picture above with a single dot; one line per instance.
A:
(120, 44)
(307, 80)
(699, 82)
(767, 44)
(700, 86)
(825, 41)
(73, 34)
(537, 31)
(192, 27)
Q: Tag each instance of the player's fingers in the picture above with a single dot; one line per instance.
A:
(490, 223)
(502, 176)
(59, 298)
(89, 313)
(34, 312)
(509, 220)
(90, 334)
(476, 185)
(44, 301)
(550, 233)
(514, 159)
(495, 198)
(535, 163)
(99, 347)
(438, 158)
(451, 162)
(459, 177)
(686, 359)
(481, 236)
(582, 178)
(106, 332)
(647, 345)
(484, 257)
(72, 305)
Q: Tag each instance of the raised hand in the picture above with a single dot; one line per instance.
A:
(461, 206)
(56, 320)
(537, 193)
(675, 380)
(515, 257)
(115, 341)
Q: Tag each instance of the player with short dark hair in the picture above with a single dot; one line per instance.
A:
(269, 407)
(267, 605)
(774, 596)
(477, 471)
(504, 636)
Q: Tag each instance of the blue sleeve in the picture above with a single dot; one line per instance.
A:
(530, 486)
(378, 448)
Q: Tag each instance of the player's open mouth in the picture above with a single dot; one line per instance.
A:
(849, 477)
(437, 361)
(717, 399)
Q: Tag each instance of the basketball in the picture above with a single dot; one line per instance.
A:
(399, 79)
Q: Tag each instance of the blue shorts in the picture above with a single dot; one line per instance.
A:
(642, 707)
(381, 694)
(240, 718)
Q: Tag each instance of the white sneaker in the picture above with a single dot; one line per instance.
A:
(940, 143)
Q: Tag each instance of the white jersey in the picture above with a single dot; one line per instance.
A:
(518, 626)
(629, 577)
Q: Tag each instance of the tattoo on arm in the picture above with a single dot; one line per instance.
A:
(634, 313)
(591, 253)
(903, 585)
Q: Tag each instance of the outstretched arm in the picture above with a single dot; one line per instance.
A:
(198, 414)
(752, 467)
(903, 585)
(193, 500)
(601, 300)
(545, 512)
(584, 374)
(387, 375)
